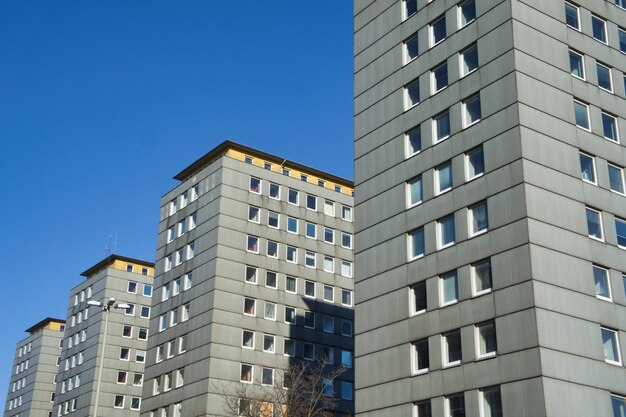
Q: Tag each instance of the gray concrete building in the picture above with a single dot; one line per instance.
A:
(33, 376)
(490, 209)
(253, 271)
(104, 350)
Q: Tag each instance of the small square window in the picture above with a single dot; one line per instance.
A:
(267, 166)
(119, 402)
(129, 268)
(411, 94)
(268, 379)
(437, 30)
(452, 354)
(311, 230)
(274, 191)
(410, 48)
(610, 343)
(486, 345)
(422, 409)
(572, 16)
(293, 196)
(587, 168)
(311, 202)
(290, 284)
(439, 77)
(143, 333)
(481, 277)
(286, 172)
(620, 232)
(602, 283)
(441, 126)
(247, 160)
(491, 403)
(616, 178)
(329, 235)
(309, 351)
(581, 114)
(443, 178)
(329, 207)
(255, 185)
(132, 287)
(304, 178)
(449, 288)
(594, 224)
(409, 8)
(598, 29)
(609, 127)
(419, 357)
(605, 80)
(328, 324)
(418, 301)
(416, 243)
(446, 234)
(469, 60)
(413, 141)
(478, 218)
(475, 163)
(147, 289)
(127, 331)
(471, 110)
(346, 269)
(467, 12)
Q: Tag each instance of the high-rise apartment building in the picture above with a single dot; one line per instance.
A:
(490, 207)
(104, 348)
(254, 271)
(32, 383)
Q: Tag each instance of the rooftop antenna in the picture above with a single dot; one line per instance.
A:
(111, 245)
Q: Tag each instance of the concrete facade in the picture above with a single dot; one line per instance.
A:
(230, 303)
(128, 281)
(490, 254)
(33, 376)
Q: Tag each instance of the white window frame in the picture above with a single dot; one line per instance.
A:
(577, 16)
(475, 291)
(477, 338)
(431, 31)
(593, 166)
(617, 345)
(405, 48)
(601, 238)
(433, 78)
(412, 305)
(407, 141)
(621, 171)
(616, 124)
(460, 24)
(582, 64)
(440, 244)
(408, 103)
(414, 357)
(610, 89)
(466, 122)
(606, 35)
(442, 278)
(586, 106)
(445, 352)
(462, 61)
(607, 277)
(410, 249)
(470, 219)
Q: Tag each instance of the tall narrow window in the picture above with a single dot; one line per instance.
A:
(443, 177)
(441, 126)
(581, 114)
(587, 168)
(486, 344)
(416, 243)
(478, 218)
(572, 17)
(619, 406)
(577, 64)
(274, 191)
(449, 288)
(616, 178)
(419, 357)
(609, 127)
(439, 77)
(610, 342)
(422, 409)
(620, 232)
(414, 191)
(481, 277)
(455, 405)
(255, 185)
(411, 49)
(411, 94)
(467, 12)
(437, 30)
(594, 224)
(413, 139)
(409, 8)
(491, 403)
(417, 298)
(598, 28)
(469, 59)
(602, 283)
(604, 77)
(622, 39)
(475, 163)
(253, 244)
(471, 110)
(445, 232)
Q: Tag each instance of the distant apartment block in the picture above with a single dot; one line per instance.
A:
(490, 207)
(33, 376)
(129, 281)
(254, 271)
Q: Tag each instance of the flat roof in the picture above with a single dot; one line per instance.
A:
(112, 258)
(43, 323)
(218, 151)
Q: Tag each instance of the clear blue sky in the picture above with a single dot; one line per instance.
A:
(102, 102)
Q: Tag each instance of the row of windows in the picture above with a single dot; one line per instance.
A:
(74, 360)
(595, 227)
(291, 286)
(294, 225)
(127, 332)
(290, 345)
(185, 198)
(168, 381)
(179, 256)
(598, 25)
(176, 286)
(140, 355)
(174, 410)
(615, 173)
(489, 401)
(287, 172)
(291, 317)
(66, 407)
(133, 286)
(83, 295)
(604, 75)
(171, 348)
(77, 338)
(610, 130)
(477, 220)
(182, 227)
(120, 402)
(144, 311)
(19, 384)
(70, 383)
(293, 197)
(123, 378)
(79, 317)
(15, 402)
(437, 30)
(131, 268)
(172, 317)
(451, 347)
(291, 255)
(22, 350)
(474, 163)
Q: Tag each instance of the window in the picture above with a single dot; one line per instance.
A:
(182, 345)
(268, 377)
(445, 232)
(119, 402)
(455, 405)
(255, 185)
(452, 348)
(346, 213)
(253, 244)
(604, 77)
(620, 231)
(293, 196)
(328, 264)
(310, 230)
(413, 141)
(602, 283)
(467, 13)
(422, 409)
(572, 16)
(619, 405)
(168, 262)
(147, 288)
(346, 390)
(346, 297)
(598, 28)
(437, 30)
(581, 114)
(311, 202)
(127, 331)
(195, 192)
(176, 286)
(187, 281)
(478, 218)
(124, 354)
(286, 171)
(439, 77)
(481, 277)
(309, 319)
(132, 287)
(173, 206)
(610, 342)
(329, 235)
(471, 110)
(270, 311)
(609, 127)
(346, 358)
(443, 178)
(289, 347)
(274, 191)
(308, 351)
(449, 288)
(290, 284)
(135, 403)
(247, 339)
(410, 48)
(469, 60)
(327, 387)
(417, 298)
(137, 380)
(165, 291)
(184, 199)
(409, 8)
(171, 234)
(185, 312)
(486, 345)
(292, 254)
(121, 377)
(267, 165)
(251, 274)
(270, 279)
(249, 306)
(309, 289)
(346, 327)
(328, 324)
(419, 357)
(304, 177)
(622, 39)
(346, 268)
(292, 225)
(416, 243)
(269, 342)
(309, 259)
(594, 224)
(254, 214)
(329, 207)
(475, 163)
(587, 168)
(246, 373)
(491, 403)
(441, 126)
(290, 315)
(328, 293)
(272, 249)
(411, 94)
(616, 178)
